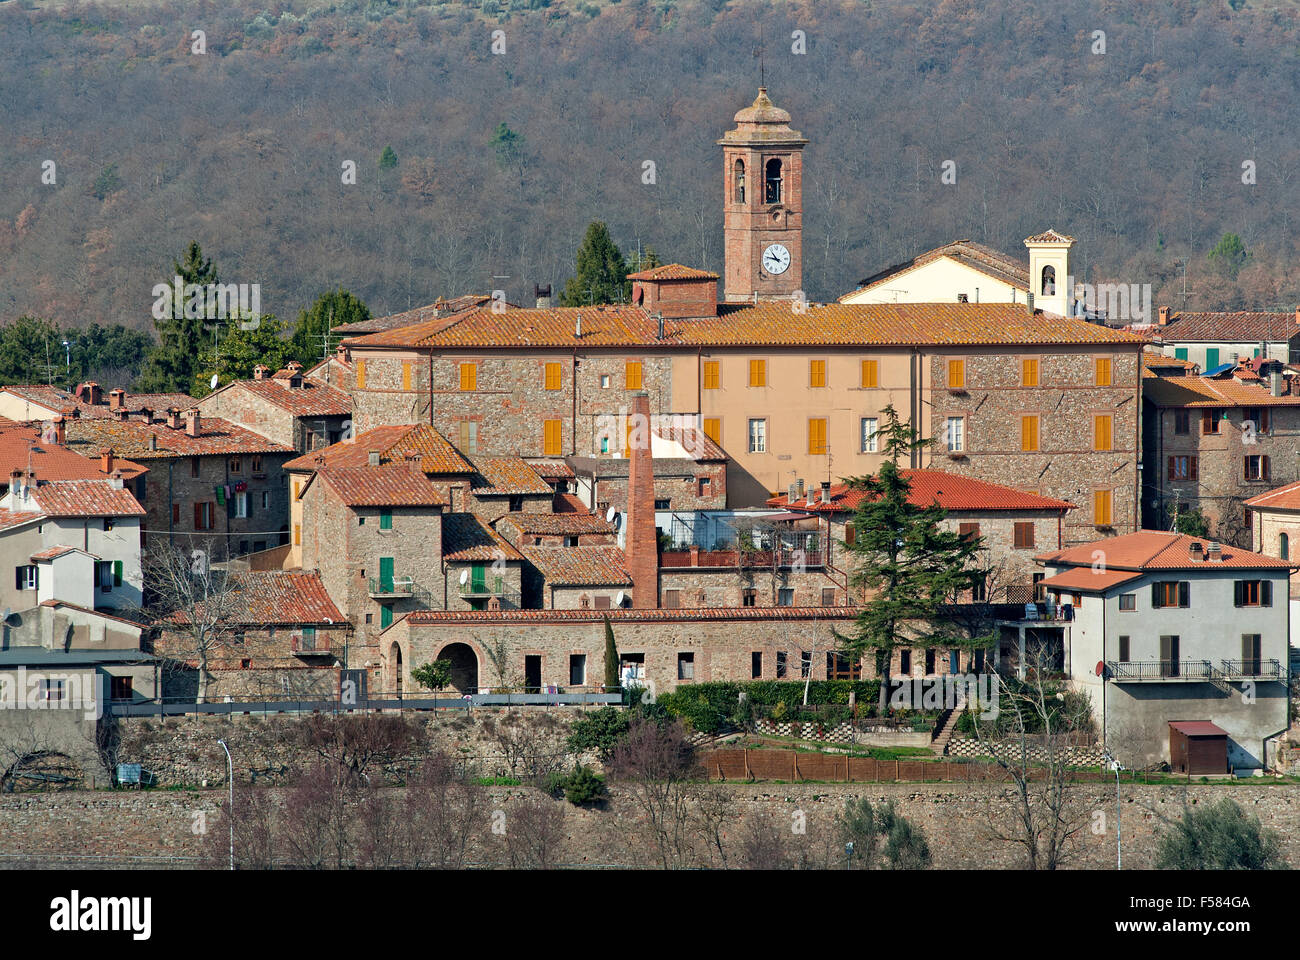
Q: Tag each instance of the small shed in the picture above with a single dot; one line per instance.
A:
(1197, 747)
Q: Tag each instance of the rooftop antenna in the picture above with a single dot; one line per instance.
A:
(762, 71)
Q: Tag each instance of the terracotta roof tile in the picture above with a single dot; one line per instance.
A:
(1051, 236)
(53, 398)
(552, 469)
(402, 443)
(389, 485)
(502, 476)
(130, 438)
(1236, 326)
(1282, 498)
(84, 498)
(16, 518)
(52, 462)
(466, 538)
(764, 324)
(672, 271)
(53, 553)
(312, 399)
(1196, 392)
(595, 566)
(949, 490)
(1089, 579)
(1158, 550)
(568, 503)
(431, 313)
(275, 597)
(559, 524)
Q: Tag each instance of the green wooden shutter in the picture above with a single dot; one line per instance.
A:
(385, 616)
(1266, 593)
(1211, 359)
(1238, 593)
(1184, 593)
(386, 574)
(385, 519)
(117, 573)
(1155, 596)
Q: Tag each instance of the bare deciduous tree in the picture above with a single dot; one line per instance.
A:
(655, 764)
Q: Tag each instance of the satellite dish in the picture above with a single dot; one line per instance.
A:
(617, 521)
(610, 514)
(1101, 667)
(618, 599)
(212, 384)
(464, 577)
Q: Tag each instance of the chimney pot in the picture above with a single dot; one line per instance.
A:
(192, 422)
(791, 493)
(153, 441)
(373, 458)
(1194, 550)
(1029, 302)
(106, 461)
(116, 399)
(798, 484)
(120, 413)
(60, 430)
(542, 295)
(174, 417)
(826, 491)
(260, 371)
(1163, 314)
(1215, 552)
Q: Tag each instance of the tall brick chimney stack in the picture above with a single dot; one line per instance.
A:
(641, 542)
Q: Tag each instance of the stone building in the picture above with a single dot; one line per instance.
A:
(285, 407)
(1275, 525)
(1212, 339)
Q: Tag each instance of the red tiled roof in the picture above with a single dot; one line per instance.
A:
(274, 597)
(85, 498)
(697, 444)
(986, 260)
(53, 398)
(1198, 728)
(552, 469)
(558, 524)
(312, 399)
(402, 443)
(949, 490)
(598, 565)
(1281, 498)
(1158, 361)
(466, 538)
(1158, 550)
(568, 503)
(1089, 580)
(763, 324)
(617, 614)
(1235, 326)
(507, 475)
(52, 462)
(53, 553)
(1051, 236)
(672, 271)
(389, 485)
(131, 438)
(16, 518)
(134, 403)
(430, 313)
(1205, 392)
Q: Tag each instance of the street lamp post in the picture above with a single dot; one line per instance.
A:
(230, 813)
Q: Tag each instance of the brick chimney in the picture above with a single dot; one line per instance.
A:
(106, 461)
(119, 413)
(641, 542)
(174, 417)
(60, 429)
(1215, 552)
(260, 371)
(116, 399)
(1195, 552)
(1163, 315)
(192, 425)
(93, 395)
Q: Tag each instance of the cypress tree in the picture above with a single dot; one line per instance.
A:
(612, 679)
(601, 271)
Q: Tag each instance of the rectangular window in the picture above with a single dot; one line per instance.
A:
(1101, 508)
(782, 667)
(602, 603)
(870, 435)
(26, 577)
(194, 466)
(632, 374)
(704, 486)
(361, 374)
(176, 513)
(51, 690)
(240, 500)
(1128, 601)
(1209, 422)
(843, 666)
(1182, 468)
(756, 665)
(552, 438)
(469, 376)
(604, 381)
(1103, 426)
(236, 465)
(1171, 593)
(686, 666)
(1024, 535)
(956, 428)
(817, 436)
(785, 597)
(905, 662)
(406, 374)
(1169, 656)
(1124, 649)
(577, 669)
(120, 688)
(713, 429)
(816, 373)
(748, 597)
(672, 599)
(870, 373)
(1101, 369)
(1029, 432)
(710, 374)
(1255, 467)
(956, 374)
(1182, 422)
(1251, 652)
(1252, 593)
(469, 436)
(1211, 359)
(758, 373)
(828, 596)
(805, 664)
(553, 376)
(1259, 417)
(758, 436)
(968, 531)
(850, 533)
(1029, 372)
(203, 515)
(386, 519)
(256, 464)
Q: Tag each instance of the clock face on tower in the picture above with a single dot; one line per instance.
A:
(776, 259)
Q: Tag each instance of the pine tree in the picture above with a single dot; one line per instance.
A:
(913, 566)
(331, 309)
(170, 365)
(388, 159)
(602, 271)
(612, 678)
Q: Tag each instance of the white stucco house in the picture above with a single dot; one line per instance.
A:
(1169, 633)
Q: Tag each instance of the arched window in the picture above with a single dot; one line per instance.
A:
(740, 181)
(773, 181)
(395, 665)
(1284, 546)
(1049, 282)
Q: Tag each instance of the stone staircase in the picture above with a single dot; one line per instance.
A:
(943, 731)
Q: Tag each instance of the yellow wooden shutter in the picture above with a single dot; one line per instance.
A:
(1029, 433)
(758, 373)
(1103, 371)
(552, 437)
(633, 374)
(1029, 372)
(956, 374)
(1102, 432)
(713, 429)
(817, 373)
(817, 435)
(871, 373)
(710, 374)
(361, 374)
(1101, 507)
(469, 376)
(406, 375)
(553, 376)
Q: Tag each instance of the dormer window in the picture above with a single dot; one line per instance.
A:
(773, 181)
(740, 181)
(1048, 286)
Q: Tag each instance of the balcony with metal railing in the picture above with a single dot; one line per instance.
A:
(478, 592)
(1195, 671)
(1251, 669)
(392, 588)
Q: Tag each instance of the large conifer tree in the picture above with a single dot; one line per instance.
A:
(602, 271)
(171, 364)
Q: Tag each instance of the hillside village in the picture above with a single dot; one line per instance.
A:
(501, 487)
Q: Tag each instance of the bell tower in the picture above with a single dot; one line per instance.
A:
(762, 160)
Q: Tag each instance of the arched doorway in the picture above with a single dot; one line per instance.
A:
(395, 672)
(464, 666)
